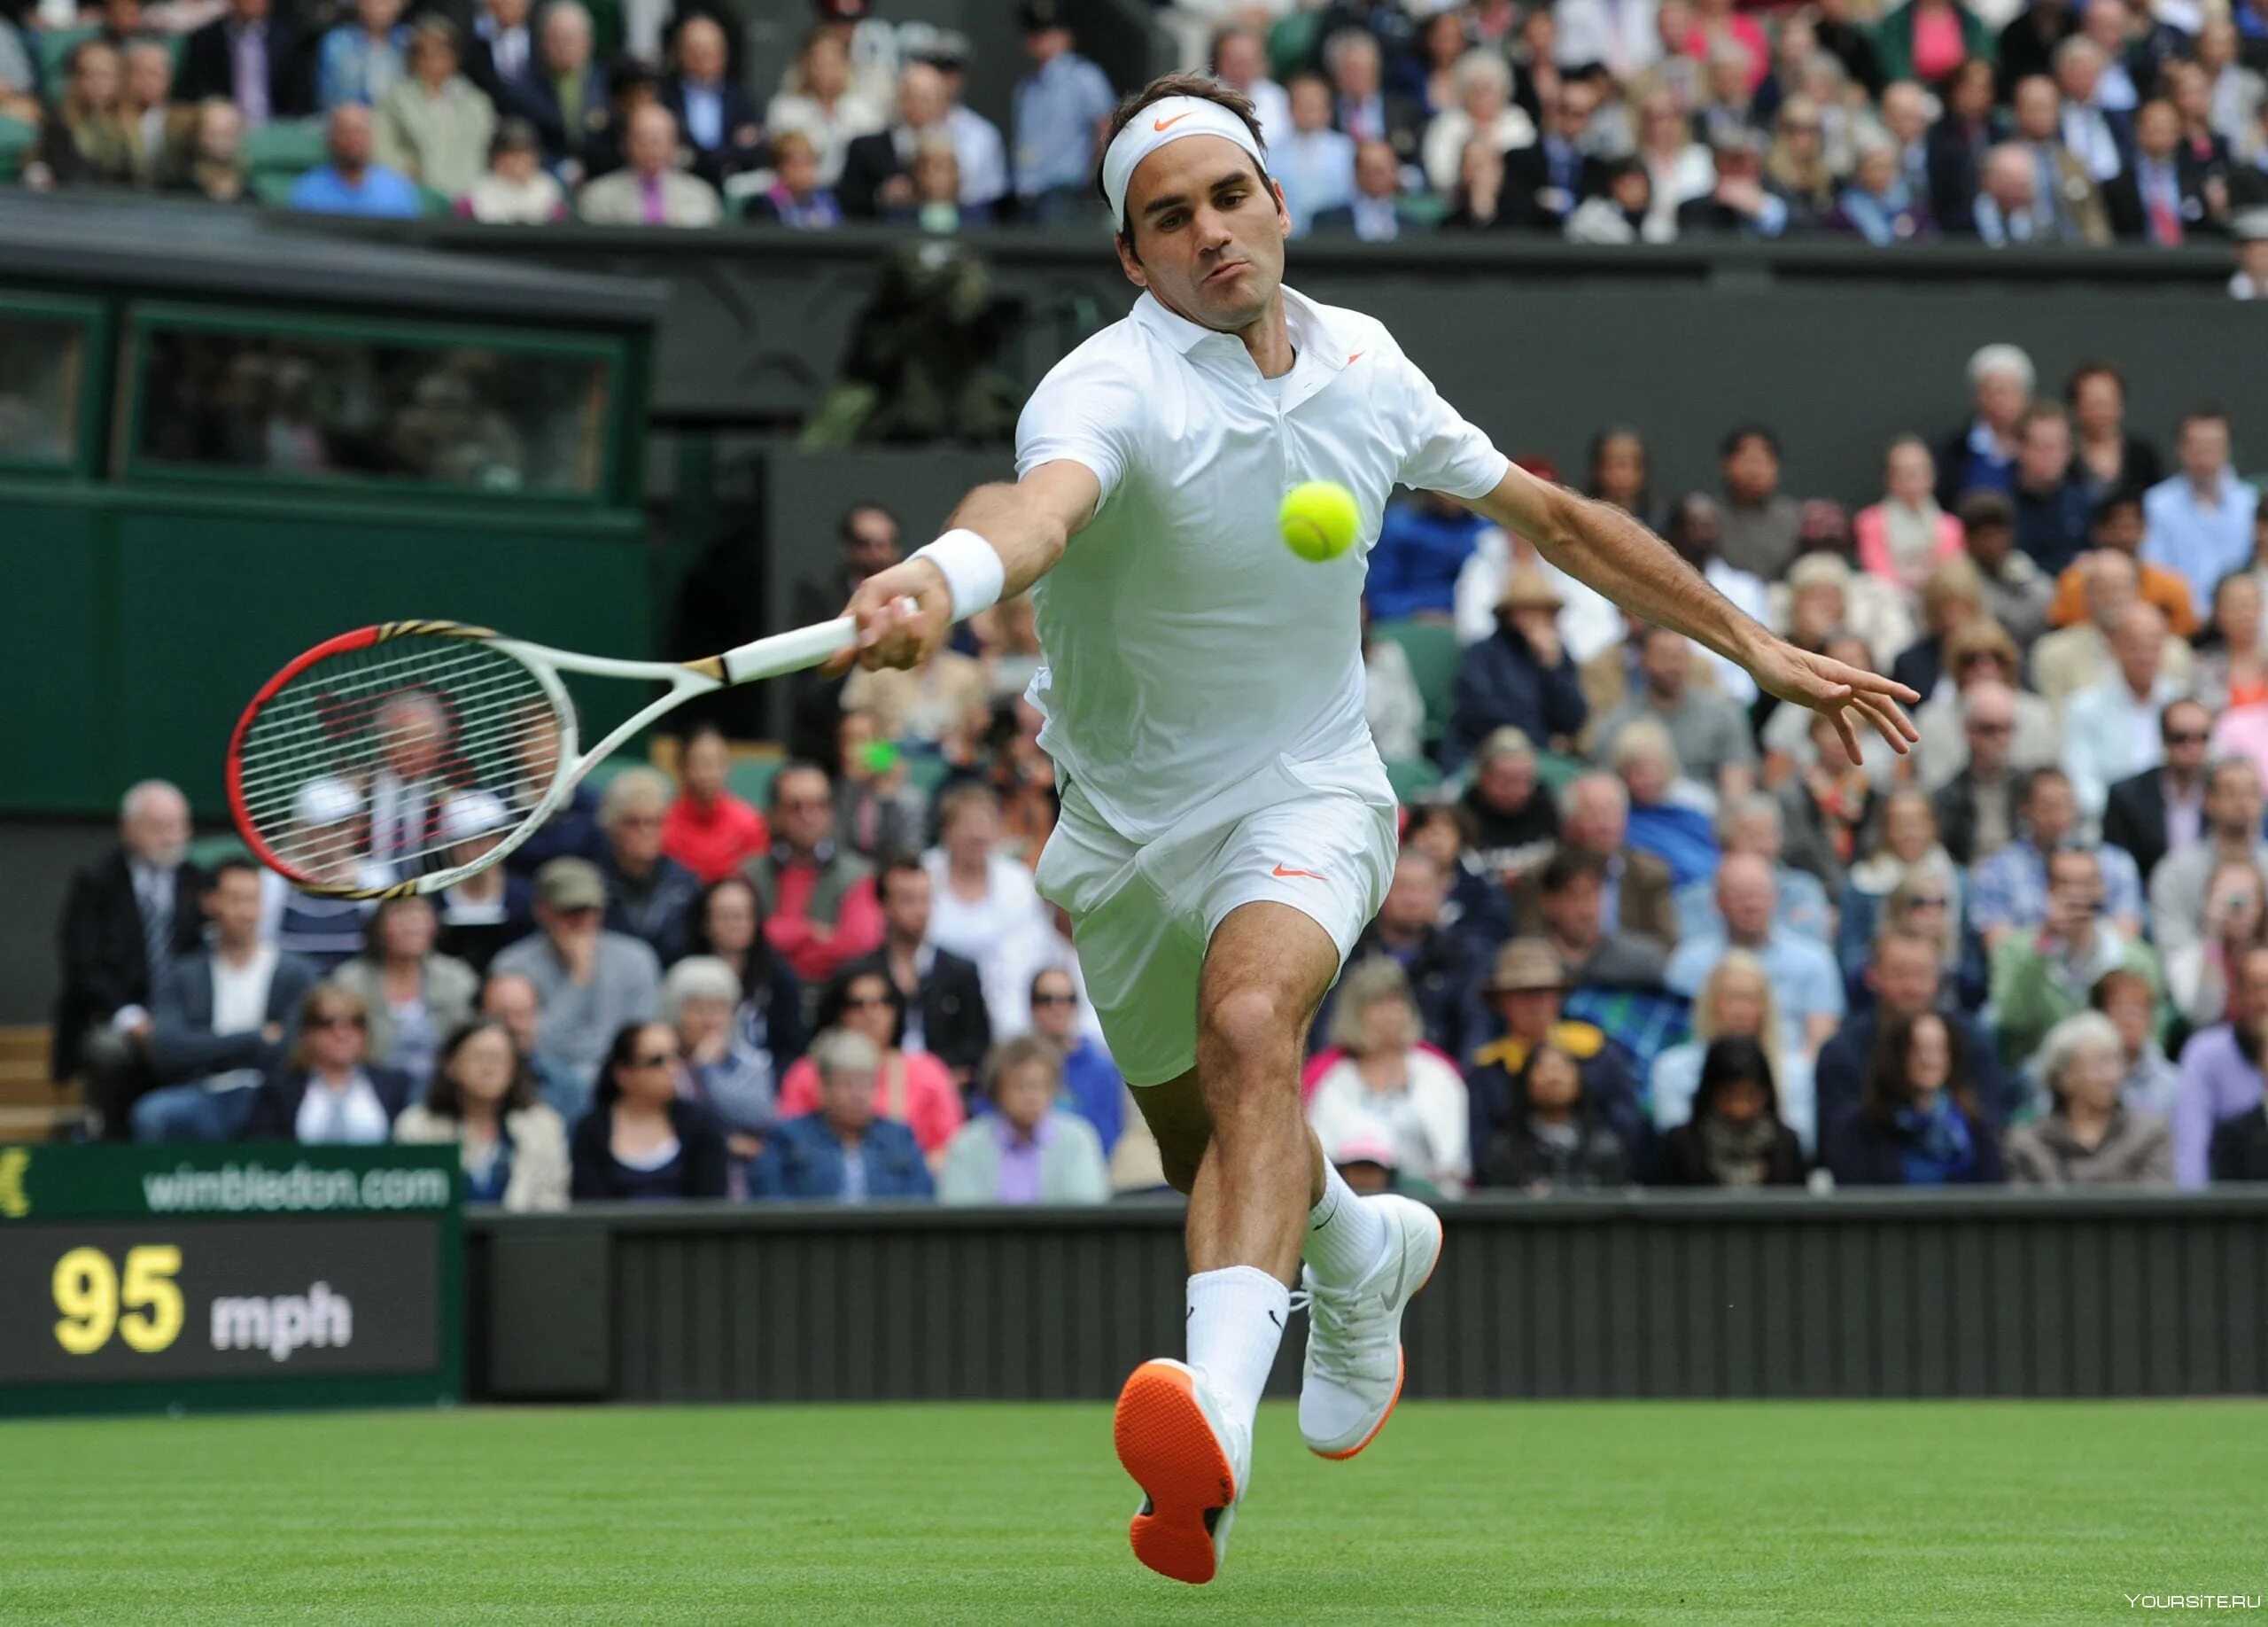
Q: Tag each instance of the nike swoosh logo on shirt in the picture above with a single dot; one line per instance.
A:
(1357, 356)
(1159, 124)
(1310, 874)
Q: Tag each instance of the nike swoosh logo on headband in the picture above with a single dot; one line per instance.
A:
(1159, 124)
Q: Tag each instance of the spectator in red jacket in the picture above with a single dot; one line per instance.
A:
(821, 911)
(707, 829)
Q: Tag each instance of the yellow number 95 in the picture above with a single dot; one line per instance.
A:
(88, 1293)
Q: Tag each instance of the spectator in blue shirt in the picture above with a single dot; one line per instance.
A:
(351, 183)
(1423, 543)
(1093, 1086)
(1062, 109)
(1981, 455)
(361, 60)
(2053, 514)
(2200, 521)
(1520, 674)
(840, 1152)
(1804, 980)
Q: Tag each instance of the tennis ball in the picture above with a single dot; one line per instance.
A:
(1318, 519)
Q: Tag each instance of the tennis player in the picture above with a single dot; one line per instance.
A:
(1227, 827)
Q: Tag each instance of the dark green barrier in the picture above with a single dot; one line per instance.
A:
(162, 1278)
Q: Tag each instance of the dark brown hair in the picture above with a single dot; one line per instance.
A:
(445, 1098)
(1205, 87)
(1889, 1088)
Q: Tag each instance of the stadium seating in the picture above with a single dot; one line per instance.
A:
(1431, 648)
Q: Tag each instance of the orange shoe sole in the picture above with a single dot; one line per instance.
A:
(1169, 1449)
(1400, 1372)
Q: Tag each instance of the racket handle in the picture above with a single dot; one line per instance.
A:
(789, 652)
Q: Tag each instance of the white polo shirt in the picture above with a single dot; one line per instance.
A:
(1187, 647)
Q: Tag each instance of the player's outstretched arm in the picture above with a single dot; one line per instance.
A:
(905, 611)
(1600, 545)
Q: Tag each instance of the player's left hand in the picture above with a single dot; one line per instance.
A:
(1847, 694)
(903, 614)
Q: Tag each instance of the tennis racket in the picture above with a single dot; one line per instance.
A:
(403, 757)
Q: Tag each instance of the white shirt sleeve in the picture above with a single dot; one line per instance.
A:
(1443, 452)
(1091, 416)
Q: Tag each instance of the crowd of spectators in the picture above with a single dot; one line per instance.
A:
(1647, 925)
(1999, 121)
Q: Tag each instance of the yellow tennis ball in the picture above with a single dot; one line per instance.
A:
(1318, 519)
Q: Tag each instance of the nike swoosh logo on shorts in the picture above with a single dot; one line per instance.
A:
(1159, 124)
(1310, 875)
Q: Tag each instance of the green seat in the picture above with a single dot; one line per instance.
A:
(1292, 44)
(55, 47)
(286, 147)
(275, 191)
(749, 778)
(1431, 650)
(206, 851)
(925, 771)
(17, 140)
(1411, 777)
(1553, 771)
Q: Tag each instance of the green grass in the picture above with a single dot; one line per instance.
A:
(1727, 1512)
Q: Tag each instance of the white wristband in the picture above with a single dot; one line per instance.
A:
(972, 569)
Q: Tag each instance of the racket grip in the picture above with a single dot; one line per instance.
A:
(789, 652)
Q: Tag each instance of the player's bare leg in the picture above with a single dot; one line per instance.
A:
(1231, 1134)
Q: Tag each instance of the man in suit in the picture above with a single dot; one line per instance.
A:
(1544, 181)
(840, 1151)
(1977, 808)
(1362, 108)
(223, 1015)
(501, 49)
(2067, 205)
(652, 191)
(718, 121)
(563, 94)
(125, 918)
(1636, 895)
(944, 997)
(253, 58)
(2159, 809)
(878, 169)
(1376, 214)
(2158, 199)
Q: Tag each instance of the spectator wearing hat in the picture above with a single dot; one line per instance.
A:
(2017, 593)
(1907, 535)
(1520, 676)
(1527, 989)
(1062, 107)
(1709, 736)
(591, 982)
(652, 191)
(1981, 454)
(707, 829)
(718, 121)
(1364, 1156)
(434, 124)
(1383, 1072)
(2163, 809)
(515, 190)
(563, 93)
(2249, 279)
(649, 895)
(1760, 521)
(491, 908)
(1802, 971)
(1735, 1137)
(1423, 541)
(329, 840)
(1027, 1150)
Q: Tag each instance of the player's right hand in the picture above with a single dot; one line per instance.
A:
(903, 614)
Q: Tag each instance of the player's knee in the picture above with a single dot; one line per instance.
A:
(1253, 1026)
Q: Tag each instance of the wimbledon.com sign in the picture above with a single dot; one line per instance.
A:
(253, 1188)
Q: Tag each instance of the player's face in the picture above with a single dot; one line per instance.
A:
(1208, 236)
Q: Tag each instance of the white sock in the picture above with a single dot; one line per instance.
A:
(1236, 1321)
(1345, 1235)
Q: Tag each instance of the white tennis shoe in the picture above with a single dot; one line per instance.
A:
(1353, 1374)
(1190, 1463)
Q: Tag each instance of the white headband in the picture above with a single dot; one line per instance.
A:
(1153, 127)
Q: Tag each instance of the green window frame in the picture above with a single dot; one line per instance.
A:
(82, 408)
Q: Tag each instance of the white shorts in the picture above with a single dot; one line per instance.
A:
(1142, 912)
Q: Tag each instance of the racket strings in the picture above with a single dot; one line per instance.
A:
(376, 765)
